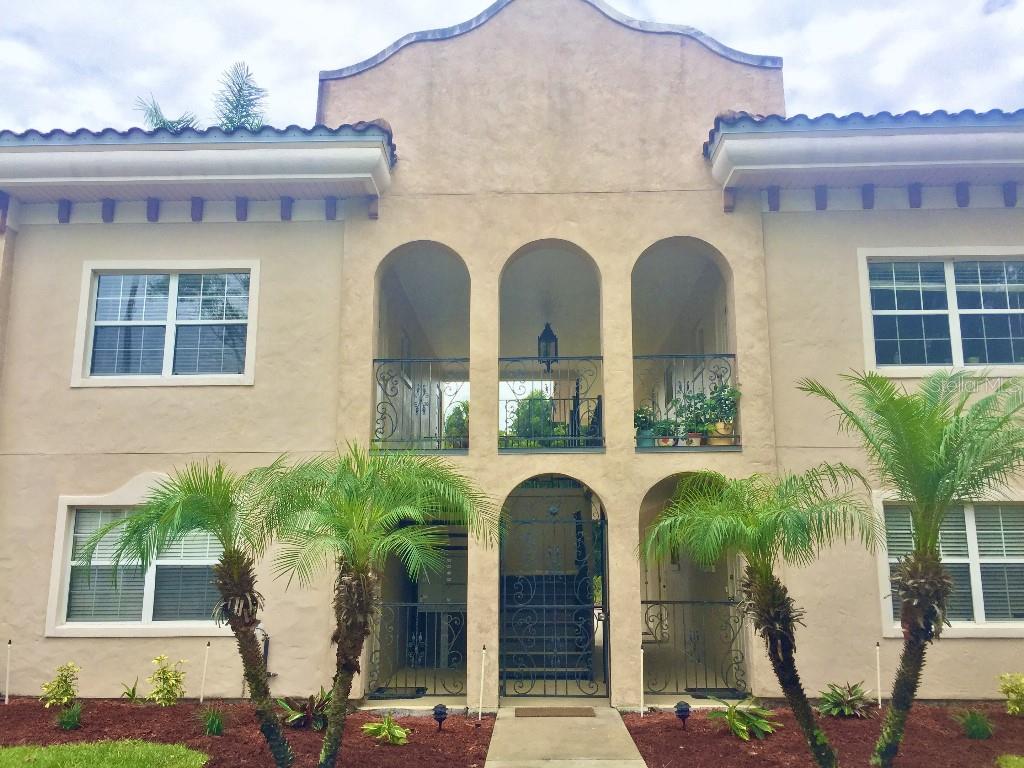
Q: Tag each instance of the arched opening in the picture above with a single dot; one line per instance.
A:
(693, 633)
(550, 391)
(554, 626)
(421, 367)
(685, 385)
(418, 644)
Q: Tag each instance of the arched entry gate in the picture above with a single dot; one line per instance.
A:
(554, 617)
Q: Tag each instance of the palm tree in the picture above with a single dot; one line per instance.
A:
(239, 103)
(239, 512)
(934, 449)
(768, 520)
(353, 512)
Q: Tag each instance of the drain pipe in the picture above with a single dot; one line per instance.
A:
(202, 683)
(641, 680)
(483, 666)
(7, 677)
(878, 672)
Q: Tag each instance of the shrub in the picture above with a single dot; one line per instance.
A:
(1012, 687)
(63, 689)
(70, 717)
(168, 682)
(131, 693)
(387, 730)
(1010, 761)
(213, 721)
(974, 724)
(850, 700)
(745, 719)
(307, 713)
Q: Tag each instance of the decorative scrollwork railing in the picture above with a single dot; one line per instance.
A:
(663, 383)
(418, 649)
(691, 646)
(555, 404)
(421, 404)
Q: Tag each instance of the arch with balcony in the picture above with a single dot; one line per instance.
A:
(550, 388)
(421, 359)
(685, 377)
(693, 632)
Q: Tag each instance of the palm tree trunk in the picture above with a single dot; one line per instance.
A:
(235, 576)
(923, 588)
(354, 598)
(775, 617)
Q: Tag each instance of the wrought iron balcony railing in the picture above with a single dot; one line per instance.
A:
(550, 404)
(686, 401)
(417, 649)
(694, 646)
(422, 404)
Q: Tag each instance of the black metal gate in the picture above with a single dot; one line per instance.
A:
(554, 617)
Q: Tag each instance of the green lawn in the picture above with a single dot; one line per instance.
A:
(1010, 761)
(103, 754)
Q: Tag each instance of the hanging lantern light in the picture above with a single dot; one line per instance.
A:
(547, 347)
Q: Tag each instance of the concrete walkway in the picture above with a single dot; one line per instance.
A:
(562, 742)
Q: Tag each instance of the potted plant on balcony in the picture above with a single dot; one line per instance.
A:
(722, 406)
(692, 412)
(643, 421)
(665, 432)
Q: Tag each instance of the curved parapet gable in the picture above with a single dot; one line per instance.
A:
(767, 62)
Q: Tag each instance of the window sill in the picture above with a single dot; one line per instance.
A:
(965, 630)
(157, 629)
(243, 380)
(920, 371)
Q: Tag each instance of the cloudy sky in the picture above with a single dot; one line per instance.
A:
(66, 64)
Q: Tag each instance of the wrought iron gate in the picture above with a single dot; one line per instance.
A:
(554, 617)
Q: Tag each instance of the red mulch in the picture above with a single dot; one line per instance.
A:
(462, 744)
(932, 740)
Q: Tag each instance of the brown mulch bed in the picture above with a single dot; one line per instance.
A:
(932, 740)
(462, 744)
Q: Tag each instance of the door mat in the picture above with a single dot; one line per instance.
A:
(555, 712)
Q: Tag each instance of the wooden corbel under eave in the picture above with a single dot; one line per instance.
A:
(373, 207)
(729, 199)
(5, 209)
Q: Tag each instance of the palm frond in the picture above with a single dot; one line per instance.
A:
(154, 118)
(239, 102)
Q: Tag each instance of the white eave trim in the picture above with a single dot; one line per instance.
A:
(799, 159)
(233, 166)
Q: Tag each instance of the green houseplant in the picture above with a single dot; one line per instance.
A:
(643, 422)
(692, 412)
(665, 432)
(722, 408)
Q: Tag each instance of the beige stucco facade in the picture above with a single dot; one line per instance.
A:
(550, 125)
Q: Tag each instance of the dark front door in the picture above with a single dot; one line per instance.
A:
(554, 621)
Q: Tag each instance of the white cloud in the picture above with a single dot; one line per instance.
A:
(67, 65)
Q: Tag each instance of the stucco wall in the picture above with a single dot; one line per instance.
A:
(815, 311)
(57, 440)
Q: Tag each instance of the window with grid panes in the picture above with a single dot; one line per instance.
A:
(169, 324)
(178, 587)
(982, 548)
(947, 312)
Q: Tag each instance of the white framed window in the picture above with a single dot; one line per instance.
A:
(178, 587)
(930, 308)
(982, 549)
(174, 323)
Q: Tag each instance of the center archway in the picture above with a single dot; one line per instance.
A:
(554, 586)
